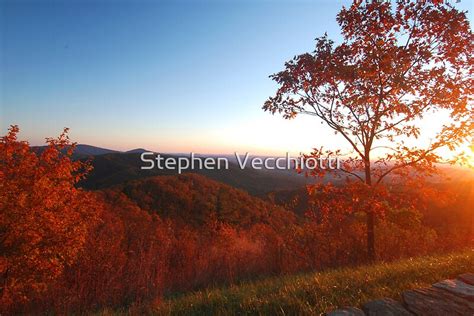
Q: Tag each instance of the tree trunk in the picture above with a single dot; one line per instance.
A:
(370, 213)
(370, 236)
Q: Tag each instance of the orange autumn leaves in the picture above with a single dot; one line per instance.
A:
(65, 250)
(43, 217)
(395, 64)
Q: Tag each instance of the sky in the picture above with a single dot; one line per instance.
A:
(173, 77)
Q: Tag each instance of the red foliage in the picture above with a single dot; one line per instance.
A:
(396, 64)
(68, 251)
(43, 218)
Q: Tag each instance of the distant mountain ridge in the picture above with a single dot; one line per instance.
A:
(93, 150)
(116, 168)
(112, 167)
(137, 151)
(83, 150)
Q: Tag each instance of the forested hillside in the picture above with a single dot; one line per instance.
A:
(116, 168)
(196, 200)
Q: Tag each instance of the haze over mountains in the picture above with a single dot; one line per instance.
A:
(238, 196)
(83, 150)
(111, 167)
(115, 168)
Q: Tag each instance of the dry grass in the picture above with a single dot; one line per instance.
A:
(316, 293)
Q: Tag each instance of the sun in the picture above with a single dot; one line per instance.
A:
(470, 155)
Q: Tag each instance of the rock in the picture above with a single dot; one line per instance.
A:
(457, 287)
(346, 311)
(467, 278)
(385, 307)
(434, 301)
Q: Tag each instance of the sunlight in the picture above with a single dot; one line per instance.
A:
(223, 162)
(470, 155)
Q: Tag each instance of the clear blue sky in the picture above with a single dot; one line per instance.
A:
(175, 77)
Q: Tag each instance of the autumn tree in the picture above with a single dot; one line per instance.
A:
(396, 63)
(44, 218)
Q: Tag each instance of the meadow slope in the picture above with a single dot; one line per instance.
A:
(316, 293)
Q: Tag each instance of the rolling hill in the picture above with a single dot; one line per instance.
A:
(83, 151)
(116, 168)
(111, 167)
(194, 199)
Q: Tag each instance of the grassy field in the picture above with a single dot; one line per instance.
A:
(316, 293)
